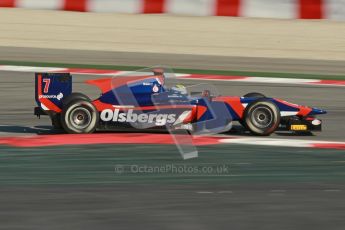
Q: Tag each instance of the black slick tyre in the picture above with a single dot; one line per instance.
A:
(73, 97)
(79, 116)
(262, 117)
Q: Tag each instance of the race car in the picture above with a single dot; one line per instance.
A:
(144, 102)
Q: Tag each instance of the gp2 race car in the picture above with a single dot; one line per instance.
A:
(144, 101)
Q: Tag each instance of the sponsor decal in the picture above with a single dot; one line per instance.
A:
(298, 127)
(155, 88)
(59, 96)
(157, 119)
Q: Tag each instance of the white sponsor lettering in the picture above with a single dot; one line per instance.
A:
(59, 96)
(130, 116)
(106, 115)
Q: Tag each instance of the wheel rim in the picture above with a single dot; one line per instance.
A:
(80, 118)
(262, 117)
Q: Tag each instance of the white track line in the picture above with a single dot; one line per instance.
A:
(276, 142)
(29, 68)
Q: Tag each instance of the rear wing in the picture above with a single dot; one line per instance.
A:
(50, 89)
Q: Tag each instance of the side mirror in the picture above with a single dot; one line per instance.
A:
(206, 93)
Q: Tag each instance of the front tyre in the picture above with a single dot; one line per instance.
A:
(79, 116)
(262, 117)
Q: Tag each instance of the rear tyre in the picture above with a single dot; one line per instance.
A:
(73, 97)
(254, 94)
(262, 117)
(79, 116)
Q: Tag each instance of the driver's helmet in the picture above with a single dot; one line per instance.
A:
(181, 89)
(158, 72)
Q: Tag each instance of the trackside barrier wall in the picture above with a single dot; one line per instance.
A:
(289, 9)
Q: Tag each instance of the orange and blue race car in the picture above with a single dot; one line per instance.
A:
(144, 101)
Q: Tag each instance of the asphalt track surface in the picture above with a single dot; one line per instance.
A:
(76, 187)
(206, 62)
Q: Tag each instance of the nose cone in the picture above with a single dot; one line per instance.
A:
(316, 111)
